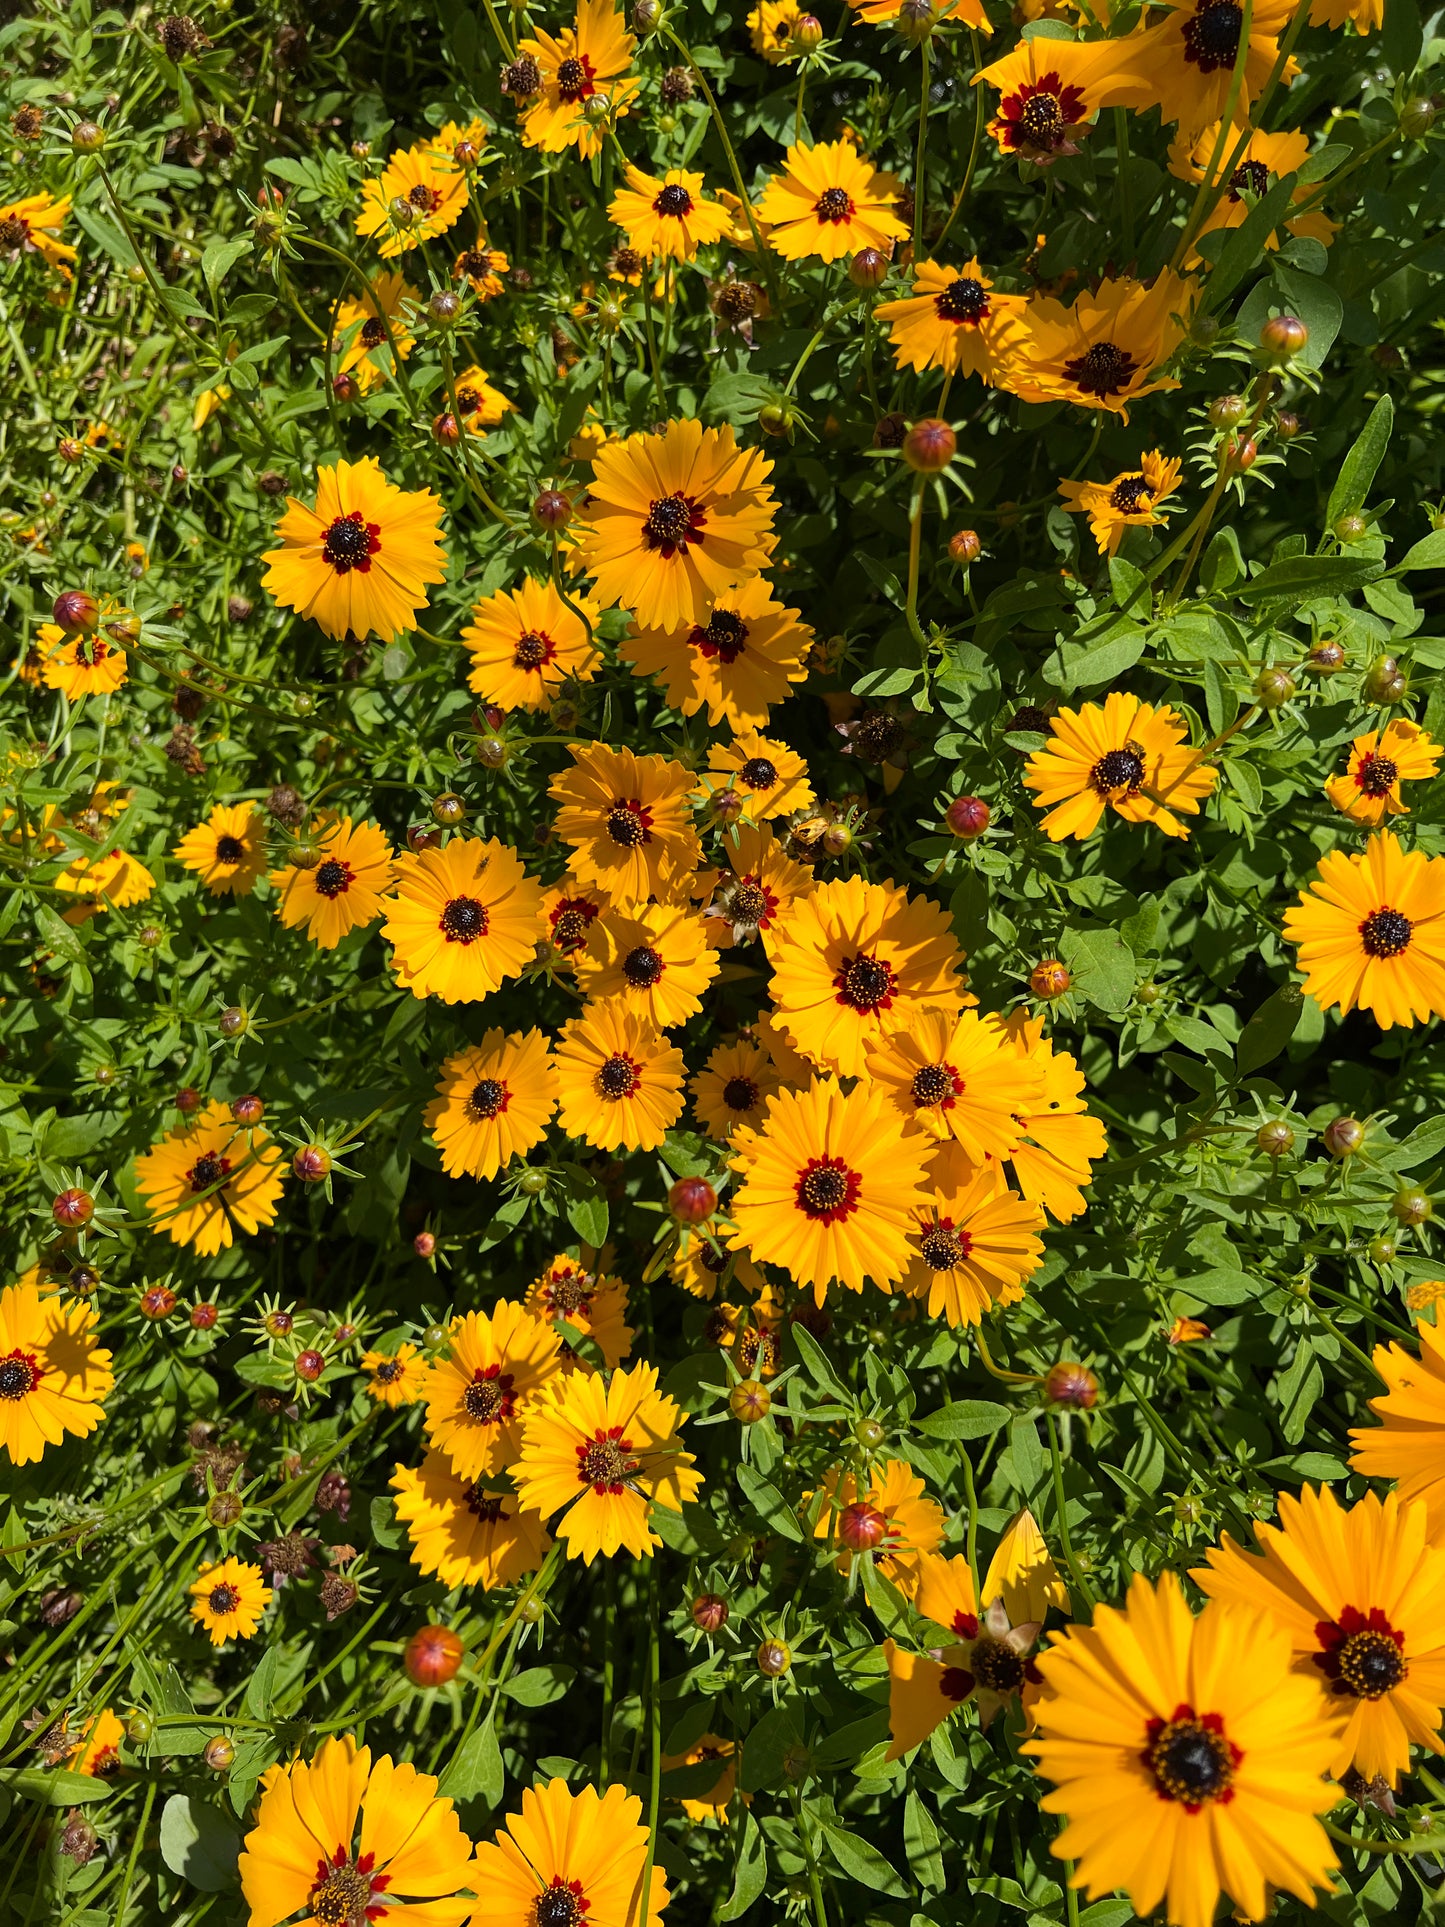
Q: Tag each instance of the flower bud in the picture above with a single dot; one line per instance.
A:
(73, 1209)
(443, 308)
(776, 418)
(139, 1727)
(1240, 455)
(551, 510)
(1343, 1136)
(86, 137)
(709, 1612)
(1412, 1206)
(1326, 658)
(929, 446)
(76, 612)
(838, 839)
(247, 1110)
(646, 15)
(219, 1754)
(1071, 1385)
(401, 212)
(807, 34)
(965, 547)
(203, 1317)
(433, 1655)
(914, 21)
(83, 1280)
(1351, 528)
(344, 387)
(234, 1021)
(869, 1434)
(493, 751)
(1287, 424)
(312, 1164)
(78, 1838)
(968, 817)
(156, 1302)
(861, 1527)
(434, 1337)
(868, 268)
(1204, 330)
(1273, 688)
(1283, 336)
(446, 430)
(188, 1100)
(1050, 978)
(424, 1244)
(1417, 117)
(224, 1509)
(1382, 1250)
(774, 1658)
(69, 450)
(1275, 1138)
(533, 1181)
(310, 1366)
(749, 1401)
(1228, 411)
(449, 810)
(1383, 681)
(692, 1200)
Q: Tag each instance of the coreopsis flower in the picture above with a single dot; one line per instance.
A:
(1200, 1725)
(765, 776)
(1189, 58)
(1051, 90)
(1365, 16)
(732, 1088)
(361, 560)
(1022, 1574)
(526, 643)
(396, 1378)
(359, 343)
(628, 823)
(303, 1855)
(577, 65)
(737, 660)
(1408, 1443)
(345, 891)
(964, 13)
(771, 26)
(478, 1396)
(482, 267)
(827, 203)
(433, 190)
(621, 1081)
(667, 219)
(570, 1857)
(463, 1533)
(461, 919)
(829, 1185)
(987, 1658)
(1059, 1141)
(228, 1600)
(893, 1519)
(84, 665)
(568, 911)
(957, 1075)
(1380, 761)
(53, 1376)
(1131, 500)
(228, 851)
(747, 896)
(855, 961)
(714, 1803)
(974, 1244)
(480, 406)
(706, 1264)
(494, 1102)
(1105, 348)
(210, 1177)
(672, 520)
(1264, 159)
(98, 1754)
(1126, 756)
(1361, 1592)
(32, 225)
(657, 964)
(601, 1456)
(954, 320)
(590, 1301)
(1371, 932)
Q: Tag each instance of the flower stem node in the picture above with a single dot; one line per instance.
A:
(76, 612)
(929, 446)
(1343, 1136)
(709, 1612)
(1275, 1138)
(1071, 1385)
(1273, 688)
(968, 817)
(433, 1656)
(692, 1200)
(1412, 1206)
(1283, 336)
(749, 1401)
(1050, 978)
(774, 1659)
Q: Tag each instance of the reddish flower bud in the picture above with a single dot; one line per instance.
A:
(73, 1209)
(1343, 1136)
(219, 1754)
(445, 430)
(692, 1200)
(424, 1244)
(344, 387)
(309, 1366)
(929, 446)
(965, 547)
(968, 817)
(433, 1655)
(188, 1100)
(1239, 455)
(861, 1527)
(1273, 688)
(868, 268)
(1283, 335)
(807, 33)
(1325, 658)
(749, 1401)
(774, 1658)
(1073, 1385)
(709, 1612)
(552, 510)
(248, 1110)
(203, 1317)
(76, 612)
(157, 1302)
(1275, 1138)
(1050, 978)
(312, 1163)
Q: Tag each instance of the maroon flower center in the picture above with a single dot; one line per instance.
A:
(724, 638)
(759, 773)
(223, 1600)
(619, 1077)
(955, 1683)
(643, 967)
(373, 332)
(569, 923)
(1361, 1654)
(464, 920)
(343, 1891)
(1376, 776)
(827, 1190)
(486, 1506)
(563, 1904)
(740, 1094)
(575, 78)
(229, 849)
(1118, 769)
(426, 200)
(1040, 113)
(350, 543)
(1386, 933)
(333, 877)
(532, 650)
(1130, 495)
(864, 983)
(996, 1666)
(1253, 175)
(1192, 1759)
(629, 824)
(964, 301)
(19, 1375)
(489, 1399)
(834, 205)
(603, 1462)
(209, 1169)
(1211, 35)
(944, 1246)
(935, 1087)
(674, 200)
(1104, 370)
(489, 1098)
(671, 523)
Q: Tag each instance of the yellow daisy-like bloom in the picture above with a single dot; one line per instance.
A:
(621, 1082)
(32, 226)
(207, 1176)
(1189, 58)
(98, 1755)
(830, 1185)
(853, 962)
(771, 26)
(1408, 1444)
(924, 1690)
(1132, 499)
(395, 1378)
(477, 1398)
(1050, 90)
(590, 1301)
(359, 562)
(463, 1533)
(893, 1519)
(627, 821)
(303, 1855)
(714, 1804)
(1104, 349)
(569, 909)
(603, 1456)
(953, 320)
(462, 919)
(228, 1600)
(569, 1857)
(494, 1103)
(1365, 16)
(360, 343)
(1128, 757)
(1379, 762)
(828, 202)
(1185, 1754)
(585, 60)
(1022, 1574)
(228, 851)
(53, 1375)
(434, 191)
(345, 891)
(482, 268)
(79, 666)
(1371, 932)
(705, 1265)
(1264, 159)
(1361, 1592)
(670, 521)
(1060, 1142)
(747, 898)
(974, 1244)
(740, 656)
(966, 13)
(733, 1088)
(526, 643)
(761, 776)
(957, 1076)
(656, 965)
(479, 405)
(667, 219)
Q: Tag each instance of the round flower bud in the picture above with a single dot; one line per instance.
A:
(247, 1110)
(929, 446)
(1283, 336)
(709, 1612)
(86, 137)
(965, 547)
(69, 450)
(445, 430)
(138, 1727)
(188, 1099)
(868, 268)
(1412, 1206)
(157, 1302)
(83, 1281)
(1071, 1385)
(424, 1244)
(124, 629)
(1147, 993)
(1382, 1250)
(776, 418)
(312, 1163)
(1240, 455)
(1287, 424)
(1228, 411)
(533, 1181)
(401, 212)
(1351, 528)
(1188, 1510)
(914, 21)
(1275, 1138)
(692, 1200)
(493, 752)
(344, 387)
(1050, 978)
(224, 1509)
(968, 817)
(73, 1209)
(807, 34)
(449, 810)
(861, 1527)
(749, 1401)
(869, 1434)
(1417, 117)
(1343, 1136)
(203, 1317)
(310, 1365)
(278, 1324)
(433, 1655)
(76, 612)
(1273, 688)
(219, 1754)
(646, 15)
(1326, 658)
(234, 1021)
(443, 308)
(1204, 330)
(150, 936)
(551, 510)
(1381, 678)
(774, 1659)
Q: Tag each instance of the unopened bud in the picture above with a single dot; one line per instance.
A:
(401, 212)
(749, 1401)
(965, 547)
(1412, 1206)
(1275, 1138)
(1072, 1385)
(1351, 528)
(929, 446)
(868, 268)
(86, 137)
(692, 1200)
(73, 1209)
(1283, 336)
(1228, 411)
(1050, 978)
(551, 510)
(861, 1527)
(774, 1658)
(915, 21)
(1343, 1136)
(76, 612)
(312, 1163)
(968, 817)
(1273, 688)
(219, 1754)
(807, 34)
(443, 308)
(709, 1612)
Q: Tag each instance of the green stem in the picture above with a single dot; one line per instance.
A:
(921, 158)
(123, 1899)
(915, 543)
(1076, 1571)
(654, 1738)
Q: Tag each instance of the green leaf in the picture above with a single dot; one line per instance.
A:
(1103, 966)
(476, 1769)
(199, 1843)
(260, 1688)
(55, 1787)
(540, 1685)
(1102, 662)
(1428, 553)
(860, 1860)
(1403, 37)
(1246, 243)
(57, 935)
(219, 257)
(765, 1749)
(921, 1843)
(1361, 465)
(1269, 1029)
(965, 1418)
(817, 1364)
(1221, 1286)
(1321, 164)
(589, 1217)
(769, 1503)
(750, 1871)
(1425, 1142)
(1308, 575)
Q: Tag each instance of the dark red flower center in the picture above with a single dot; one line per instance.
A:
(1211, 35)
(827, 1190)
(1130, 495)
(489, 1399)
(575, 79)
(834, 204)
(864, 983)
(619, 1077)
(19, 1375)
(750, 903)
(1386, 933)
(373, 332)
(569, 923)
(1253, 175)
(532, 650)
(674, 200)
(944, 1246)
(724, 638)
(1361, 1654)
(563, 1904)
(344, 1889)
(955, 1683)
(464, 920)
(996, 1666)
(643, 967)
(603, 1462)
(740, 1094)
(936, 1087)
(1192, 1759)
(486, 1506)
(629, 824)
(223, 1600)
(333, 877)
(1118, 769)
(569, 1292)
(759, 773)
(350, 543)
(964, 301)
(209, 1169)
(426, 200)
(671, 523)
(1103, 370)
(1039, 115)
(489, 1098)
(1376, 776)
(229, 849)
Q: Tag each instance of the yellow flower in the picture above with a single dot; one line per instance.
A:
(1365, 16)
(1050, 90)
(77, 666)
(657, 964)
(896, 1522)
(672, 520)
(567, 1858)
(568, 911)
(714, 1803)
(228, 851)
(482, 268)
(360, 341)
(478, 1396)
(1379, 762)
(581, 63)
(667, 219)
(828, 202)
(302, 1855)
(974, 1244)
(591, 1302)
(957, 1075)
(603, 1456)
(733, 1088)
(395, 1378)
(463, 1533)
(1105, 349)
(1190, 59)
(479, 404)
(1022, 1574)
(345, 891)
(771, 25)
(762, 777)
(360, 561)
(53, 1375)
(621, 1082)
(1371, 932)
(98, 1754)
(1060, 1141)
(1408, 1444)
(208, 1175)
(1264, 159)
(748, 897)
(705, 1265)
(627, 821)
(954, 320)
(965, 13)
(462, 919)
(229, 1599)
(494, 1103)
(739, 657)
(1128, 757)
(433, 191)
(526, 643)
(32, 226)
(1130, 501)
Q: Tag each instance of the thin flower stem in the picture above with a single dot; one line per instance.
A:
(962, 194)
(1349, 1345)
(1076, 1571)
(815, 1880)
(1362, 1843)
(123, 1898)
(654, 1741)
(997, 1371)
(915, 544)
(970, 1488)
(921, 158)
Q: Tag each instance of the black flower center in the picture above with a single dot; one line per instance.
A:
(388, 1371)
(932, 1085)
(1190, 1758)
(229, 849)
(748, 904)
(373, 332)
(489, 1098)
(1128, 495)
(426, 200)
(1377, 776)
(713, 1258)
(19, 1375)
(964, 300)
(1041, 121)
(834, 204)
(333, 876)
(758, 773)
(574, 79)
(740, 1094)
(1369, 1664)
(995, 1665)
(486, 1396)
(627, 825)
(223, 1600)
(603, 1463)
(1211, 35)
(864, 983)
(486, 1506)
(1386, 933)
(350, 543)
(827, 1190)
(618, 1078)
(671, 523)
(1253, 175)
(532, 651)
(558, 1905)
(627, 261)
(724, 638)
(943, 1248)
(210, 1168)
(1104, 370)
(877, 735)
(643, 967)
(464, 920)
(674, 200)
(1118, 769)
(342, 1898)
